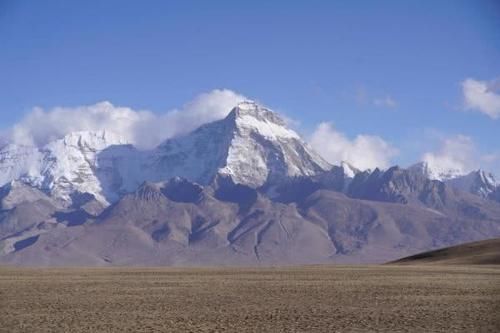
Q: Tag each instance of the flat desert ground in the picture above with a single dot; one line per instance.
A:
(386, 298)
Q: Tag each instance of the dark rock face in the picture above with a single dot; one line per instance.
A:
(224, 189)
(181, 190)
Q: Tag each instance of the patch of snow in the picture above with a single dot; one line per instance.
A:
(265, 128)
(349, 170)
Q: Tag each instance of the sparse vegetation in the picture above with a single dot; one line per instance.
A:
(302, 299)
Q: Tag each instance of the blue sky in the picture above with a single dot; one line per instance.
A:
(390, 69)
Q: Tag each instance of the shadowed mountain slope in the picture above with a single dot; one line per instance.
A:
(183, 223)
(486, 252)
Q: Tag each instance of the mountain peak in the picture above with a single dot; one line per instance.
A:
(249, 117)
(478, 182)
(97, 140)
(255, 110)
(252, 146)
(437, 172)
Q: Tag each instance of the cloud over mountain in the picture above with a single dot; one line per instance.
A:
(460, 153)
(456, 152)
(146, 129)
(364, 151)
(143, 128)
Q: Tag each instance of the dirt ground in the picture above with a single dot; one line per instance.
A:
(302, 299)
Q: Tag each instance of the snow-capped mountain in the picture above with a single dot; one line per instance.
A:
(437, 172)
(72, 164)
(19, 162)
(477, 182)
(245, 189)
(251, 146)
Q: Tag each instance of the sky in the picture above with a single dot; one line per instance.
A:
(374, 83)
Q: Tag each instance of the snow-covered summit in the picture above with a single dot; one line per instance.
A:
(249, 116)
(60, 168)
(89, 140)
(252, 145)
(437, 172)
(478, 182)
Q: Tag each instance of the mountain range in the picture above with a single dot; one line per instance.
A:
(243, 190)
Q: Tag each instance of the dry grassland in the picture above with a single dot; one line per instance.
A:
(303, 299)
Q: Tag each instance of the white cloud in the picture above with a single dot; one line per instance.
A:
(482, 96)
(143, 128)
(387, 102)
(460, 154)
(454, 153)
(363, 152)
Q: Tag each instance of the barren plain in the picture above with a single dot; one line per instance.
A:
(383, 298)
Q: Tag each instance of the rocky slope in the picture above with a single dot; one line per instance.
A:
(183, 223)
(477, 182)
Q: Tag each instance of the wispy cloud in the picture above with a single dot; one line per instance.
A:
(363, 97)
(385, 102)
